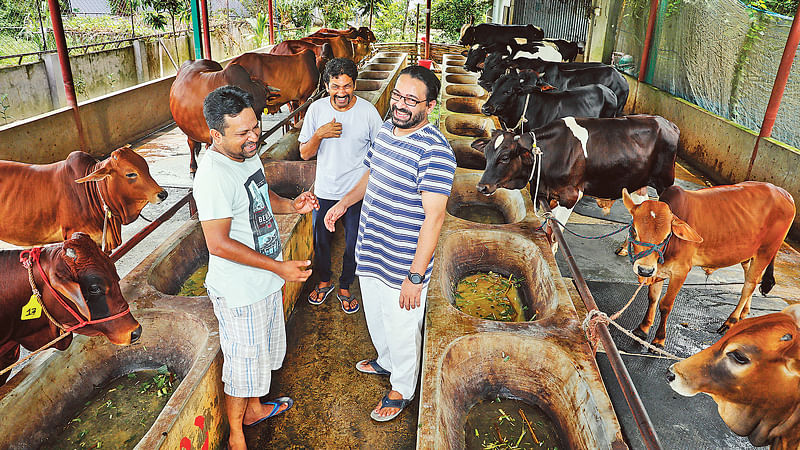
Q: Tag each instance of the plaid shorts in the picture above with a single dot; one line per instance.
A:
(253, 341)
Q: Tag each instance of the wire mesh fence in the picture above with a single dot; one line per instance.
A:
(719, 54)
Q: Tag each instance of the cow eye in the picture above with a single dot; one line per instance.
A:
(132, 175)
(95, 290)
(504, 159)
(738, 357)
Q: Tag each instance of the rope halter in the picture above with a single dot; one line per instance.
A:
(30, 257)
(658, 248)
(537, 163)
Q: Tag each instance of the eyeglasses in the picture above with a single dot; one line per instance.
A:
(409, 101)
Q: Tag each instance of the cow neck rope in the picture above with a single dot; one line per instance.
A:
(27, 258)
(106, 215)
(537, 164)
(522, 118)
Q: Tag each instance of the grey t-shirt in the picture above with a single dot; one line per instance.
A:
(340, 161)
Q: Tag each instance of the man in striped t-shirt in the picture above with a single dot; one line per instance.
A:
(405, 191)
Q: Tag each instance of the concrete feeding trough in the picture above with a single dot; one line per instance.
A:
(461, 79)
(466, 156)
(367, 85)
(379, 67)
(508, 205)
(381, 59)
(457, 70)
(374, 75)
(461, 125)
(466, 105)
(537, 372)
(465, 91)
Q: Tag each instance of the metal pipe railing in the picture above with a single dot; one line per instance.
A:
(130, 243)
(635, 404)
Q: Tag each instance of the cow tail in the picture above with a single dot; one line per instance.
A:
(768, 280)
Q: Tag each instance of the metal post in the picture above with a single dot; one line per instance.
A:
(66, 69)
(133, 31)
(371, 8)
(198, 45)
(41, 25)
(206, 30)
(428, 29)
(651, 22)
(405, 19)
(271, 23)
(416, 35)
(778, 87)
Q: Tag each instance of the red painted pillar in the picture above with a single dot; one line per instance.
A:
(428, 29)
(648, 38)
(206, 30)
(271, 23)
(778, 87)
(66, 69)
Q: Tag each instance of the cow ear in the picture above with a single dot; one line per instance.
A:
(794, 311)
(480, 144)
(97, 175)
(628, 201)
(684, 231)
(62, 281)
(526, 141)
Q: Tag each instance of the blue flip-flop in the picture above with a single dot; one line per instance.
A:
(387, 402)
(376, 369)
(314, 299)
(276, 405)
(352, 309)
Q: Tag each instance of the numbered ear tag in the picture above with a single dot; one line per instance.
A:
(32, 309)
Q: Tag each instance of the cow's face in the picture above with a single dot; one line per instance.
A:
(475, 58)
(509, 161)
(752, 373)
(87, 278)
(496, 65)
(507, 89)
(367, 34)
(129, 186)
(653, 222)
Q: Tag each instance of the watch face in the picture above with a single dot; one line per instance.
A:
(415, 278)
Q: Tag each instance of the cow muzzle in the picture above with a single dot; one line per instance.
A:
(162, 196)
(486, 189)
(488, 109)
(678, 383)
(136, 334)
(646, 272)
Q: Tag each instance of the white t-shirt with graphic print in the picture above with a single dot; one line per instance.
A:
(224, 188)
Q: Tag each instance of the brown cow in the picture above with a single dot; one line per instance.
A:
(194, 81)
(712, 228)
(361, 45)
(753, 373)
(84, 278)
(296, 76)
(47, 203)
(351, 33)
(324, 52)
(341, 46)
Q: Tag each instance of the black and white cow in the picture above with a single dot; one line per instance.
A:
(595, 157)
(492, 33)
(517, 100)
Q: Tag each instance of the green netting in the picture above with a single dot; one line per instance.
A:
(718, 54)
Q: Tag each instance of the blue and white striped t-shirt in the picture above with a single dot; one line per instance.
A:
(401, 168)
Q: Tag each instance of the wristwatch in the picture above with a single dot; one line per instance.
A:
(414, 277)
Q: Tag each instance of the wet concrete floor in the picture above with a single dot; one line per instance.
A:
(332, 399)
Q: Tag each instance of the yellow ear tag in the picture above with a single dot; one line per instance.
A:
(32, 309)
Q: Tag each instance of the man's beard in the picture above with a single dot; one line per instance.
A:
(412, 121)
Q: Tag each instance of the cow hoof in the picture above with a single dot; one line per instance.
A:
(640, 334)
(621, 250)
(658, 346)
(724, 328)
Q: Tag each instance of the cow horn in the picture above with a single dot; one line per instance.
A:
(70, 252)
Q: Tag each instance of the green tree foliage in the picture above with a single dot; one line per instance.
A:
(335, 13)
(785, 7)
(388, 21)
(260, 26)
(450, 15)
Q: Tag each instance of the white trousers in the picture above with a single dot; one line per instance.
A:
(396, 333)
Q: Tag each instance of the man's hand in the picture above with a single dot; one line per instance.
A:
(410, 295)
(332, 129)
(334, 213)
(305, 202)
(293, 270)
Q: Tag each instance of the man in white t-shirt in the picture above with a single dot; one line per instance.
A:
(245, 269)
(339, 130)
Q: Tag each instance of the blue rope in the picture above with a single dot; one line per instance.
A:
(580, 235)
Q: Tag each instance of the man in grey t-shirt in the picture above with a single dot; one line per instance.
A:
(339, 130)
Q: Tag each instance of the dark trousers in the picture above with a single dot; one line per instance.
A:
(323, 238)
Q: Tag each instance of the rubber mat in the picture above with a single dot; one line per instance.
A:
(680, 422)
